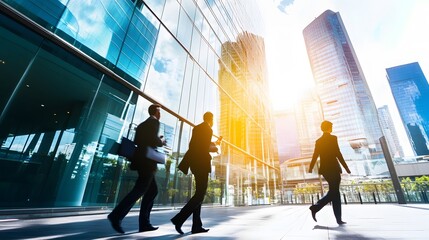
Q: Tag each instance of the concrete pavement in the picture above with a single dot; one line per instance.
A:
(377, 221)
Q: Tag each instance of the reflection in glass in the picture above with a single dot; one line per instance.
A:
(165, 76)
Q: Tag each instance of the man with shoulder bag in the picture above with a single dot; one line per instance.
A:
(198, 159)
(146, 136)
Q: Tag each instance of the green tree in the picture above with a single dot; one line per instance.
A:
(422, 183)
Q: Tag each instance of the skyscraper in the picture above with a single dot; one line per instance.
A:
(344, 93)
(410, 90)
(389, 132)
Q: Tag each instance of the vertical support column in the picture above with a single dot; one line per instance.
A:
(392, 170)
(179, 142)
(18, 86)
(227, 192)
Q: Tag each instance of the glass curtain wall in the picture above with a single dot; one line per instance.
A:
(77, 76)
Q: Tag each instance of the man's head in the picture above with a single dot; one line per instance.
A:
(208, 118)
(326, 126)
(155, 110)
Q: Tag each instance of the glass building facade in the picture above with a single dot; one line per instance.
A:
(344, 94)
(389, 131)
(410, 90)
(76, 76)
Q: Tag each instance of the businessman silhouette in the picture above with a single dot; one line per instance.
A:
(197, 158)
(328, 150)
(146, 135)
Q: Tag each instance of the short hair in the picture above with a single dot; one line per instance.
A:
(208, 116)
(153, 109)
(326, 125)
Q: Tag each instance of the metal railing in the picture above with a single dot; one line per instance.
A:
(383, 192)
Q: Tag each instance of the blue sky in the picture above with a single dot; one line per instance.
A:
(283, 4)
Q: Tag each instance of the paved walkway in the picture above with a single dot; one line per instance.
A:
(381, 221)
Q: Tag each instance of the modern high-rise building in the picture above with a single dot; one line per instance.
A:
(245, 111)
(344, 94)
(76, 76)
(410, 90)
(389, 131)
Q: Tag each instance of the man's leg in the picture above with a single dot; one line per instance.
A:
(336, 198)
(200, 192)
(147, 204)
(122, 209)
(196, 218)
(193, 203)
(327, 198)
(333, 188)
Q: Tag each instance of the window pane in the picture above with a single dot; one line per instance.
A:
(165, 77)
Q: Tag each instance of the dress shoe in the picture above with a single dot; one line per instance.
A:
(148, 228)
(341, 222)
(116, 224)
(313, 212)
(177, 226)
(200, 230)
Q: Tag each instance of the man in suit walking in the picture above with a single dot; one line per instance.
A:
(328, 150)
(146, 135)
(197, 158)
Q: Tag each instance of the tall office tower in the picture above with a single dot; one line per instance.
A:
(245, 109)
(345, 96)
(410, 90)
(389, 132)
(77, 76)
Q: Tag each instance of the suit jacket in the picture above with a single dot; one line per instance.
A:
(146, 135)
(198, 157)
(329, 151)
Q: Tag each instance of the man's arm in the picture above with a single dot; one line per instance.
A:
(341, 158)
(314, 158)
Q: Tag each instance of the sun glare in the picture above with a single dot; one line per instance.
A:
(286, 95)
(287, 88)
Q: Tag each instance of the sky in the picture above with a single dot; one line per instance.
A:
(384, 33)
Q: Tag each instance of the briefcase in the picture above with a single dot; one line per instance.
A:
(127, 148)
(155, 155)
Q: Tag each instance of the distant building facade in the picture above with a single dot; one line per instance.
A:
(389, 132)
(297, 130)
(287, 135)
